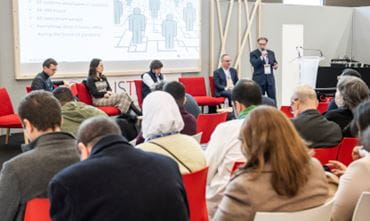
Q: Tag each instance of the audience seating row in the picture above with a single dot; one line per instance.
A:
(287, 110)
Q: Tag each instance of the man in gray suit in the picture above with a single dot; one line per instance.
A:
(27, 175)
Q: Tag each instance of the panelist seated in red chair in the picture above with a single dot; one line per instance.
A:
(152, 78)
(27, 175)
(314, 128)
(161, 126)
(42, 80)
(116, 181)
(101, 92)
(225, 78)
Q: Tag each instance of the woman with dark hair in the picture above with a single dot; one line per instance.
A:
(351, 91)
(279, 176)
(101, 92)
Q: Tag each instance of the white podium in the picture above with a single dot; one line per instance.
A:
(308, 67)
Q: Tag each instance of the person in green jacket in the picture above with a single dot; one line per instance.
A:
(74, 112)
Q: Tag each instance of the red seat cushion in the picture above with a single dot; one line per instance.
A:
(194, 86)
(207, 100)
(111, 111)
(10, 121)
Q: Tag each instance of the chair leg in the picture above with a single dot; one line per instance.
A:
(7, 136)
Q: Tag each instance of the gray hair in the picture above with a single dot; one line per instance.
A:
(95, 128)
(365, 139)
(353, 90)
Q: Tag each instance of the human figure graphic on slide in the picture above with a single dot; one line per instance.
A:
(128, 2)
(137, 25)
(169, 31)
(177, 2)
(189, 16)
(154, 7)
(118, 10)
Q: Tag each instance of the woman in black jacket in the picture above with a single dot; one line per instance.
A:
(101, 92)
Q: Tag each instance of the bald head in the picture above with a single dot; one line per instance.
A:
(304, 98)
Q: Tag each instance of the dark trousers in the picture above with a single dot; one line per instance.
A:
(267, 84)
(227, 94)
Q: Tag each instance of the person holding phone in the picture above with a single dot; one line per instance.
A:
(264, 64)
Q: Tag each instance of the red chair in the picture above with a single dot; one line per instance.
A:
(323, 107)
(212, 87)
(74, 90)
(326, 154)
(345, 150)
(85, 97)
(37, 210)
(236, 166)
(28, 89)
(195, 187)
(287, 110)
(139, 94)
(196, 87)
(8, 119)
(207, 123)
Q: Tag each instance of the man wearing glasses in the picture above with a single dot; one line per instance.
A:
(264, 64)
(225, 78)
(42, 80)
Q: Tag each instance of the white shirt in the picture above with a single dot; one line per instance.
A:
(222, 152)
(229, 82)
(149, 81)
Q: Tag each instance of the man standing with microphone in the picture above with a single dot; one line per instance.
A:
(264, 63)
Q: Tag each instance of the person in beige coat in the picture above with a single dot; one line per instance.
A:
(161, 125)
(354, 181)
(280, 175)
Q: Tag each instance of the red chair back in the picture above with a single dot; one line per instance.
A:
(207, 123)
(323, 107)
(195, 187)
(6, 107)
(326, 154)
(345, 150)
(28, 89)
(212, 86)
(287, 110)
(138, 85)
(196, 86)
(236, 166)
(37, 210)
(74, 90)
(83, 93)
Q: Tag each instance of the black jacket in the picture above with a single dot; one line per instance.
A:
(343, 117)
(316, 130)
(220, 79)
(42, 82)
(119, 182)
(93, 90)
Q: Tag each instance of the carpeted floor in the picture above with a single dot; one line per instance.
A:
(7, 151)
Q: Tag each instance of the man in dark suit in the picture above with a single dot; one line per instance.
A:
(264, 64)
(116, 181)
(225, 78)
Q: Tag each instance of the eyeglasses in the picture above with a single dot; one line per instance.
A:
(293, 101)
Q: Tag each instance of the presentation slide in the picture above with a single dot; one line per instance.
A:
(126, 34)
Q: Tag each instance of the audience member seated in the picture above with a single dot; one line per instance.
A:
(191, 105)
(314, 128)
(152, 78)
(177, 90)
(353, 182)
(224, 147)
(161, 126)
(101, 92)
(225, 78)
(74, 112)
(42, 80)
(345, 72)
(268, 101)
(280, 175)
(27, 175)
(361, 121)
(115, 181)
(351, 91)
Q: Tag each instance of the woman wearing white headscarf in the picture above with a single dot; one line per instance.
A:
(161, 125)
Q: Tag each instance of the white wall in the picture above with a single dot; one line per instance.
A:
(327, 28)
(361, 34)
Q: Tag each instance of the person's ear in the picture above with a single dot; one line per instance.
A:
(84, 150)
(28, 128)
(185, 99)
